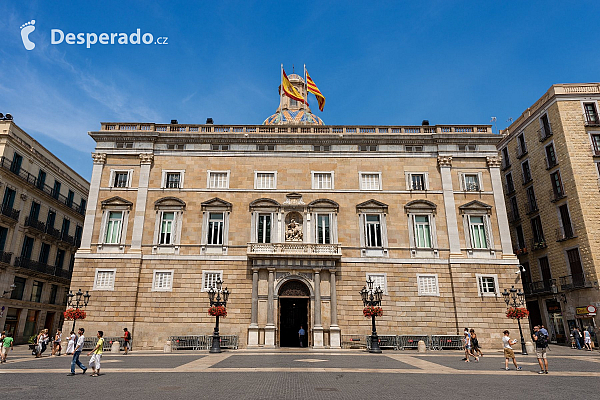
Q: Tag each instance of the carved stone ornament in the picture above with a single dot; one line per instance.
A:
(293, 227)
(445, 161)
(99, 158)
(293, 199)
(294, 289)
(494, 162)
(146, 158)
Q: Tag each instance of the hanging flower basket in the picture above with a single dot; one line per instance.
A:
(73, 314)
(369, 312)
(218, 311)
(517, 313)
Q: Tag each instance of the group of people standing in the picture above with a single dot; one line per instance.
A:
(582, 339)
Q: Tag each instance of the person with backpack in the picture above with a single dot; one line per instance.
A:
(541, 347)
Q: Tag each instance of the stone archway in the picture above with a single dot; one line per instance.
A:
(294, 312)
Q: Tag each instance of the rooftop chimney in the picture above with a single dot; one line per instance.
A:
(425, 122)
(174, 122)
(209, 121)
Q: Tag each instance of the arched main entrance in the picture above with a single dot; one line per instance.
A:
(294, 309)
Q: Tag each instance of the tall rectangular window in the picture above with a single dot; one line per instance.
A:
(537, 231)
(566, 225)
(265, 180)
(113, 227)
(546, 130)
(591, 115)
(417, 182)
(370, 181)
(41, 179)
(218, 180)
(66, 225)
(53, 293)
(215, 227)
(27, 248)
(15, 166)
(510, 184)
(505, 158)
(373, 230)
(478, 235)
(322, 180)
(531, 201)
(546, 272)
(36, 291)
(264, 228)
(520, 237)
(422, 231)
(34, 212)
(323, 233)
(576, 268)
(9, 199)
(526, 171)
(166, 228)
(60, 259)
(50, 219)
(56, 189)
(557, 187)
(550, 156)
(173, 180)
(121, 179)
(471, 182)
(514, 208)
(521, 145)
(17, 293)
(44, 253)
(70, 197)
(3, 235)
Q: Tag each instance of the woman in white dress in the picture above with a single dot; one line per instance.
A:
(71, 345)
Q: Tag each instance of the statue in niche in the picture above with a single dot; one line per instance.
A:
(293, 232)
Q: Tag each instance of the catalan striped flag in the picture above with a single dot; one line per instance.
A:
(311, 87)
(289, 89)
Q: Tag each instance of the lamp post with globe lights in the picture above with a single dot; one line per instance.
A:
(81, 300)
(516, 298)
(372, 300)
(218, 304)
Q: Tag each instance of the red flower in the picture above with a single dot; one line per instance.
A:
(370, 311)
(517, 313)
(73, 314)
(217, 311)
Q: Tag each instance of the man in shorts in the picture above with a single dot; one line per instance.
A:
(541, 347)
(7, 344)
(96, 355)
(126, 340)
(508, 351)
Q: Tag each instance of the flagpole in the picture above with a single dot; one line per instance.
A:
(305, 93)
(281, 94)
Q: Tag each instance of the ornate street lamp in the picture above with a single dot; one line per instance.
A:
(516, 299)
(217, 301)
(372, 298)
(78, 302)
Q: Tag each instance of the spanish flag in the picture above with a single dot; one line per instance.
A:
(289, 90)
(311, 87)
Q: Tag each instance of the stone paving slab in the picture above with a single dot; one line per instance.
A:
(370, 361)
(128, 361)
(528, 363)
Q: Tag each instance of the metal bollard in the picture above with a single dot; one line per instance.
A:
(168, 347)
(115, 347)
(422, 347)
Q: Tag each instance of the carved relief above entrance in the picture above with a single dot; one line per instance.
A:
(294, 289)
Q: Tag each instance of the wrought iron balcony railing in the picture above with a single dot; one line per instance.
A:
(545, 132)
(36, 224)
(37, 266)
(521, 150)
(540, 287)
(10, 212)
(565, 233)
(5, 257)
(573, 282)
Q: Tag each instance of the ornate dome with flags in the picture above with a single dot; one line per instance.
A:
(292, 110)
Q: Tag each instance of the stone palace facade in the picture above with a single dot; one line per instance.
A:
(294, 216)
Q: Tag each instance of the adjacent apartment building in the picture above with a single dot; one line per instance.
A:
(551, 171)
(41, 222)
(294, 216)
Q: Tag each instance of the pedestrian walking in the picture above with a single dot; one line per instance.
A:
(475, 343)
(587, 340)
(42, 343)
(97, 354)
(71, 344)
(301, 335)
(581, 342)
(77, 353)
(508, 351)
(576, 337)
(7, 344)
(57, 346)
(541, 347)
(468, 347)
(126, 340)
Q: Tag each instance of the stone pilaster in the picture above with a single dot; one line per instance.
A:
(335, 337)
(445, 164)
(270, 328)
(146, 160)
(494, 167)
(253, 329)
(318, 328)
(92, 202)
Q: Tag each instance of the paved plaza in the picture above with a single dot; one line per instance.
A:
(305, 374)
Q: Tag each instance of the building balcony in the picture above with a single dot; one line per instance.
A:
(55, 233)
(513, 216)
(565, 233)
(67, 239)
(542, 287)
(521, 251)
(5, 257)
(538, 244)
(532, 208)
(556, 195)
(10, 212)
(36, 266)
(33, 181)
(571, 282)
(545, 133)
(521, 151)
(294, 249)
(35, 224)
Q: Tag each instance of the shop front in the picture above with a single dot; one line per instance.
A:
(556, 327)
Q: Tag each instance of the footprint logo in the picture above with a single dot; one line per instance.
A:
(26, 29)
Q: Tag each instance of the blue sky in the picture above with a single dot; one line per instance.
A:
(394, 62)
